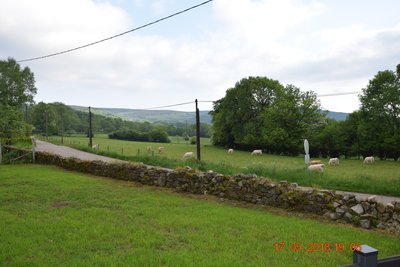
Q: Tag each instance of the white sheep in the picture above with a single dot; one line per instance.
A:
(188, 155)
(149, 150)
(314, 162)
(230, 151)
(333, 161)
(257, 152)
(369, 160)
(316, 168)
(96, 146)
(160, 150)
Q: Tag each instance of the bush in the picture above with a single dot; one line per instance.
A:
(158, 136)
(193, 140)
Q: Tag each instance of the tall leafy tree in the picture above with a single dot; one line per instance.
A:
(43, 118)
(11, 122)
(380, 107)
(17, 88)
(237, 116)
(260, 112)
(17, 85)
(294, 115)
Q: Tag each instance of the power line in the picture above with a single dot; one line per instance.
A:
(338, 94)
(115, 36)
(211, 101)
(318, 95)
(168, 106)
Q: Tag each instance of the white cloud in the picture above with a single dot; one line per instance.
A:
(289, 40)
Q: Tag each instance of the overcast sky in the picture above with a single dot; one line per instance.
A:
(328, 47)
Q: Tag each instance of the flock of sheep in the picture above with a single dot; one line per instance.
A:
(313, 165)
(318, 166)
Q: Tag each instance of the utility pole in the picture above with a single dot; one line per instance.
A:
(62, 133)
(90, 129)
(47, 128)
(198, 131)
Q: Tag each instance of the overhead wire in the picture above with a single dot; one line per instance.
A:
(211, 101)
(339, 94)
(115, 36)
(168, 106)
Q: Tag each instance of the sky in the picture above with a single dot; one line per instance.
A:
(328, 47)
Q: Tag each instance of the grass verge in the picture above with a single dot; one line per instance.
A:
(54, 217)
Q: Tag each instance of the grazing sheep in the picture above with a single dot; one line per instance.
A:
(257, 152)
(333, 161)
(96, 146)
(369, 160)
(314, 162)
(149, 150)
(188, 155)
(160, 150)
(316, 168)
(230, 151)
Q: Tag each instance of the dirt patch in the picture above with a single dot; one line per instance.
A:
(61, 204)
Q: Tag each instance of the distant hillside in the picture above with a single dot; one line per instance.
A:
(338, 116)
(169, 116)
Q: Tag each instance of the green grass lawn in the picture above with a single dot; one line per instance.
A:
(382, 178)
(52, 217)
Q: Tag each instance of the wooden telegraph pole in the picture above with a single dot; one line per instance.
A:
(90, 129)
(46, 121)
(198, 131)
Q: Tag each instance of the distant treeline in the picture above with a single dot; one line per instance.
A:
(261, 113)
(158, 136)
(59, 119)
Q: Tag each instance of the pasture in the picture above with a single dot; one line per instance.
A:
(382, 177)
(52, 217)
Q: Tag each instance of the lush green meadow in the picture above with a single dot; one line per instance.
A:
(382, 178)
(54, 217)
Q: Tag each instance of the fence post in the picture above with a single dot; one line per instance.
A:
(33, 149)
(366, 257)
(198, 131)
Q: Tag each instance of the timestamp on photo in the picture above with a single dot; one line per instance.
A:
(313, 247)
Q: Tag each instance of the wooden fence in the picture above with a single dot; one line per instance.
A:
(23, 152)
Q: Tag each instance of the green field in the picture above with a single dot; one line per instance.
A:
(52, 217)
(382, 178)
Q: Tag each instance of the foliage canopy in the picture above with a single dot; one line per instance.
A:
(262, 113)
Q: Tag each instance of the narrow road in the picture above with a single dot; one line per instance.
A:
(66, 152)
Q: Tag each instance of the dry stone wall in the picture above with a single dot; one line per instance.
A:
(366, 213)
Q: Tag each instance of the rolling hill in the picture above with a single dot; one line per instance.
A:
(169, 116)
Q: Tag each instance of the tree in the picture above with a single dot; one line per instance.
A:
(11, 122)
(261, 113)
(66, 118)
(328, 140)
(294, 115)
(237, 116)
(17, 86)
(43, 118)
(380, 108)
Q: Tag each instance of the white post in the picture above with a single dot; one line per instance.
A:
(306, 150)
